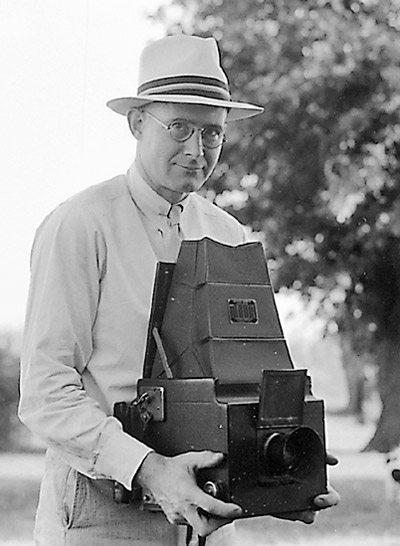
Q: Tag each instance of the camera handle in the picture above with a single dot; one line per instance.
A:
(162, 352)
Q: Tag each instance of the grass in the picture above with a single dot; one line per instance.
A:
(363, 518)
(18, 500)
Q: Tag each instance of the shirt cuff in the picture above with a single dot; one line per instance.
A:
(120, 458)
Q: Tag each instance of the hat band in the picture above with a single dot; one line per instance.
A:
(211, 88)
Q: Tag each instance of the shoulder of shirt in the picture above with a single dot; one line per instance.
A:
(221, 219)
(204, 205)
(93, 199)
(99, 193)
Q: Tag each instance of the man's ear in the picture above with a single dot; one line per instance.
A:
(135, 120)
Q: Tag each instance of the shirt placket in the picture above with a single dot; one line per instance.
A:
(171, 233)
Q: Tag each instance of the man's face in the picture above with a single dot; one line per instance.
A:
(172, 168)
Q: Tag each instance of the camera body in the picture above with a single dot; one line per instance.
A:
(218, 375)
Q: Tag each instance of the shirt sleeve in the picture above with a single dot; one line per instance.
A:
(67, 265)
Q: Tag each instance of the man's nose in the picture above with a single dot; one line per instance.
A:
(194, 144)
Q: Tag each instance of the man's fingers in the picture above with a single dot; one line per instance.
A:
(172, 482)
(202, 459)
(216, 507)
(203, 523)
(327, 500)
(199, 523)
(331, 460)
(305, 516)
(308, 516)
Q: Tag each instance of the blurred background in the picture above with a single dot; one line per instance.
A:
(316, 176)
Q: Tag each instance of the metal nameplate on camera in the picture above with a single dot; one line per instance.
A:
(243, 310)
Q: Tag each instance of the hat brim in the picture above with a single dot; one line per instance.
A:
(236, 110)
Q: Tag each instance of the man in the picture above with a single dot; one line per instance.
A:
(93, 265)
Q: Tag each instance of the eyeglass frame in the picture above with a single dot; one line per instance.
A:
(193, 127)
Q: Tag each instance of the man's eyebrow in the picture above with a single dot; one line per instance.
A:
(216, 125)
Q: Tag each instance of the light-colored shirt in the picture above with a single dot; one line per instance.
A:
(161, 220)
(92, 272)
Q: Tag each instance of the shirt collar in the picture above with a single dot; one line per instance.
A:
(146, 199)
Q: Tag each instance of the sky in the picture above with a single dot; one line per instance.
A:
(60, 62)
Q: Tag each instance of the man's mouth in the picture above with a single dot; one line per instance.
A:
(190, 167)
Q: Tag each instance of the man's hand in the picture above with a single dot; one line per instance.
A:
(172, 482)
(325, 500)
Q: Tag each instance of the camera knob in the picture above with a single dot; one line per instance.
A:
(212, 488)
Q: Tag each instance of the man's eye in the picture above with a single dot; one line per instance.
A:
(180, 126)
(212, 132)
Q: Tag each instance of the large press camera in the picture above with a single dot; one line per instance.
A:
(218, 375)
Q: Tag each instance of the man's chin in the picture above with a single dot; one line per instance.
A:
(192, 187)
(192, 181)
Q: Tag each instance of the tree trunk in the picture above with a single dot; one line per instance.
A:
(387, 434)
(353, 366)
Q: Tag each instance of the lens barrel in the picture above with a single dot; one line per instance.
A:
(295, 453)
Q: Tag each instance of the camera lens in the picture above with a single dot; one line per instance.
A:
(296, 453)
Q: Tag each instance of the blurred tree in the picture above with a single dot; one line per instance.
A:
(318, 172)
(9, 369)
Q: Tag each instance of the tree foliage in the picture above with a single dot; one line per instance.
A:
(318, 171)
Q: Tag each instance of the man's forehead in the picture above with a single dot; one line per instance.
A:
(212, 114)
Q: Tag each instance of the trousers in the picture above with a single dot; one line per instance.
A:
(75, 510)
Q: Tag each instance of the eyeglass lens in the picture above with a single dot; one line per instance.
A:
(182, 130)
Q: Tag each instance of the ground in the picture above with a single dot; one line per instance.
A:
(363, 518)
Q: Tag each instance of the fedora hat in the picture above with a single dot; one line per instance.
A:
(183, 69)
